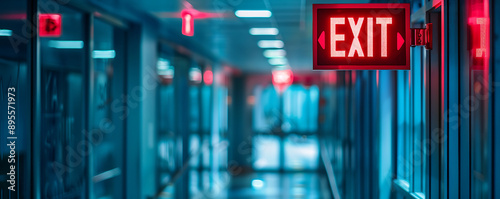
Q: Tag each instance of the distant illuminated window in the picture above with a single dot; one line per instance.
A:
(266, 152)
(301, 153)
(299, 112)
(300, 109)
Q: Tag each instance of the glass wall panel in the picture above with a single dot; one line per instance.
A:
(266, 152)
(108, 110)
(301, 152)
(480, 131)
(63, 149)
(166, 119)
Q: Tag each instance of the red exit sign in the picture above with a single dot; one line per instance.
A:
(49, 25)
(361, 36)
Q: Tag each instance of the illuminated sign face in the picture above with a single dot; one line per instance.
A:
(361, 36)
(49, 25)
(187, 24)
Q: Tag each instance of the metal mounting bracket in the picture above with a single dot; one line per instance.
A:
(422, 36)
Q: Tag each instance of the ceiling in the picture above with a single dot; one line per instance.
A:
(228, 37)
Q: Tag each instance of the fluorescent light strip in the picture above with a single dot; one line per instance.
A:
(103, 54)
(5, 32)
(274, 53)
(281, 67)
(264, 31)
(278, 61)
(253, 13)
(65, 44)
(271, 44)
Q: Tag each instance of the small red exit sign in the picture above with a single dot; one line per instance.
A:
(49, 25)
(361, 36)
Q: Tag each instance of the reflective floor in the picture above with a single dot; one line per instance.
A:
(279, 185)
(261, 185)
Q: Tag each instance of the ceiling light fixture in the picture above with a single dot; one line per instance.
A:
(278, 61)
(103, 54)
(264, 31)
(66, 44)
(5, 32)
(274, 53)
(253, 13)
(271, 44)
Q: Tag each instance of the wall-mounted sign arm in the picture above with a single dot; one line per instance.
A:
(422, 36)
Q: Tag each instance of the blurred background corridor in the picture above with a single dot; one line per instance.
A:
(217, 99)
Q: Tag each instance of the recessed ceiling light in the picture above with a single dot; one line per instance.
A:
(5, 32)
(264, 31)
(253, 13)
(278, 61)
(274, 53)
(66, 44)
(271, 44)
(103, 54)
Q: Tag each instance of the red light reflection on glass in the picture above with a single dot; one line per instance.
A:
(479, 34)
(479, 26)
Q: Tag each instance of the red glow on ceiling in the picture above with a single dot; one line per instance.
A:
(208, 77)
(14, 16)
(50, 25)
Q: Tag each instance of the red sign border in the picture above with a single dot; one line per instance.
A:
(406, 6)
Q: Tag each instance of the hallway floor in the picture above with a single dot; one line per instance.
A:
(279, 185)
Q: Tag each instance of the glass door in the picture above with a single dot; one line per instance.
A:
(15, 100)
(62, 62)
(108, 110)
(285, 127)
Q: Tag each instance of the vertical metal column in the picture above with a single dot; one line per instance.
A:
(181, 92)
(34, 68)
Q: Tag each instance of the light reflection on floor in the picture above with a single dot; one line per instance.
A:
(275, 185)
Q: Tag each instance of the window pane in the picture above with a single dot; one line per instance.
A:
(266, 112)
(301, 152)
(109, 78)
(62, 117)
(300, 109)
(266, 152)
